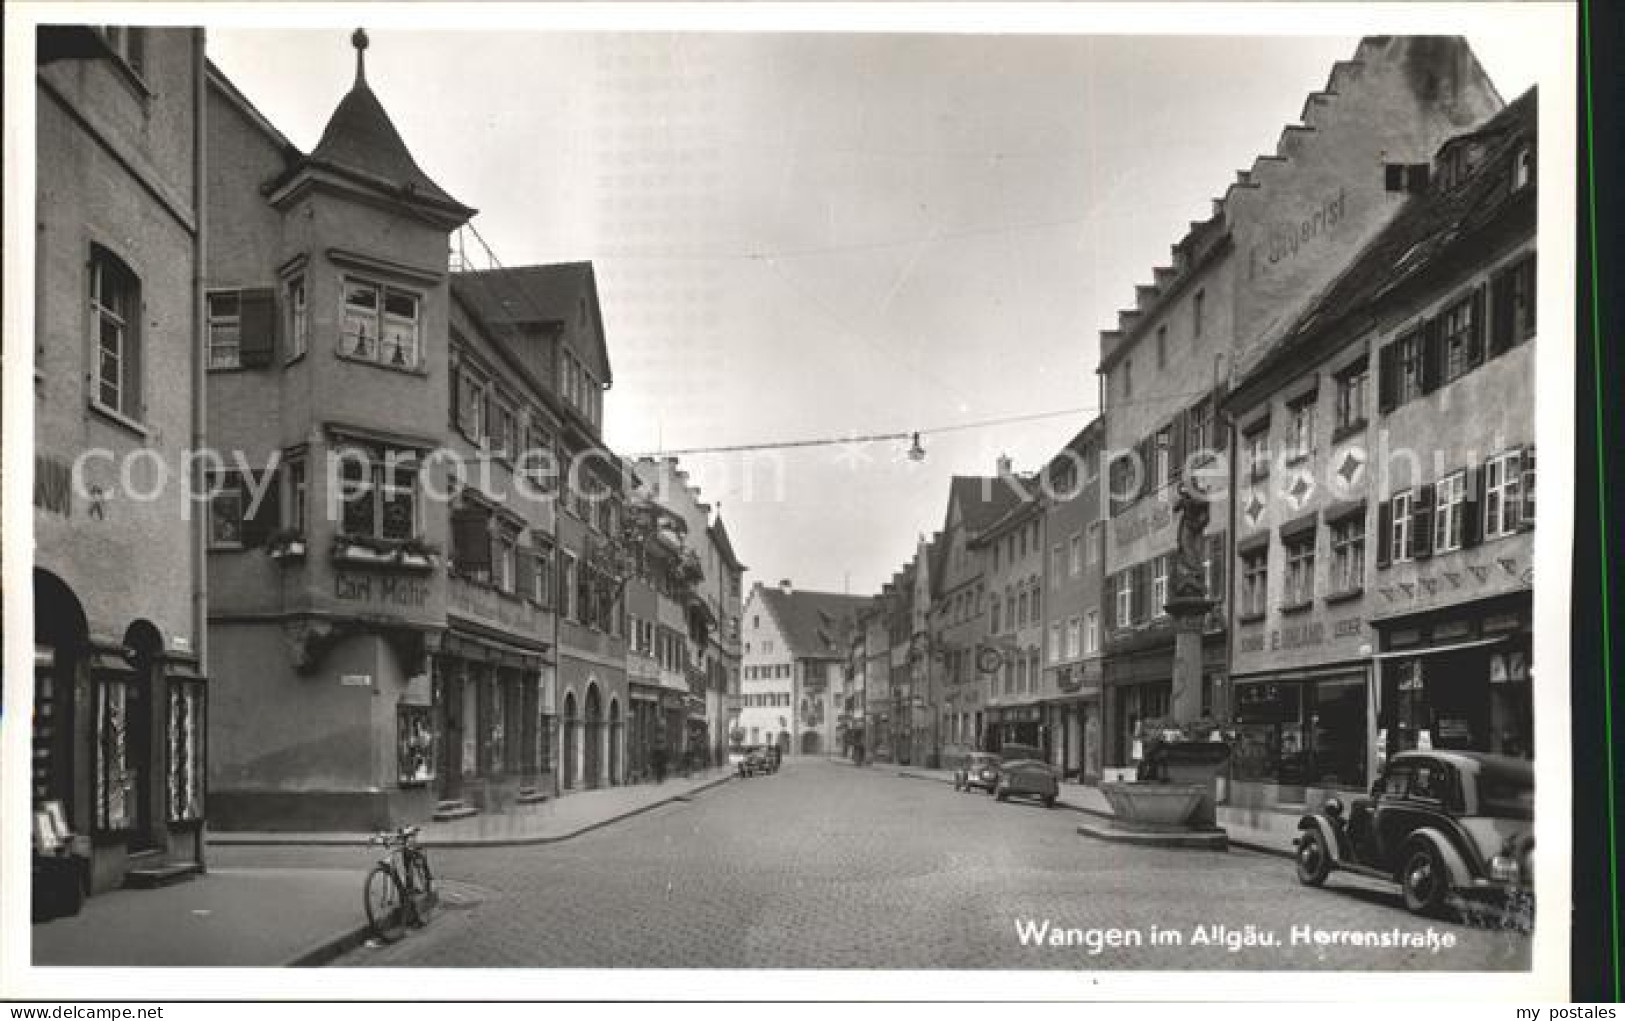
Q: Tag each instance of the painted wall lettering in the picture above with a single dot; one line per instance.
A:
(1286, 240)
(364, 588)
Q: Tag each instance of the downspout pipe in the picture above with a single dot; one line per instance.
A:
(200, 573)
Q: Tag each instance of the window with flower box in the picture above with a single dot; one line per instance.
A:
(379, 489)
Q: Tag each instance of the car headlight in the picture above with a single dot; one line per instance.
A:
(1504, 868)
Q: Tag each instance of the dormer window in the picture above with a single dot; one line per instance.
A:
(1523, 166)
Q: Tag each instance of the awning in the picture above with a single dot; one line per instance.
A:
(488, 650)
(1428, 650)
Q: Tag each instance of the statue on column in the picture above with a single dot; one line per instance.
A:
(1190, 574)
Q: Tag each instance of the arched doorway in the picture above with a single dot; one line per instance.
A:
(616, 740)
(571, 741)
(143, 650)
(809, 742)
(61, 638)
(592, 773)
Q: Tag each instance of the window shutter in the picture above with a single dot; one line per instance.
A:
(456, 377)
(1475, 339)
(1422, 522)
(1176, 445)
(1432, 353)
(525, 573)
(257, 308)
(1472, 524)
(1386, 364)
(1385, 532)
(1108, 596)
(267, 515)
(471, 540)
(1500, 312)
(1527, 518)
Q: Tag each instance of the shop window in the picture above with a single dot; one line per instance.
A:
(1503, 500)
(1301, 733)
(1449, 510)
(380, 324)
(1352, 383)
(115, 316)
(415, 745)
(117, 773)
(1300, 572)
(184, 762)
(1348, 555)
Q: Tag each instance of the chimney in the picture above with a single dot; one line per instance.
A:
(1004, 466)
(785, 586)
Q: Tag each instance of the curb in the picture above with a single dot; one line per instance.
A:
(1241, 842)
(333, 947)
(317, 840)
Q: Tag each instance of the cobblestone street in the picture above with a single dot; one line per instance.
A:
(828, 866)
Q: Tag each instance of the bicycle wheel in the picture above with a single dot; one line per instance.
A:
(419, 887)
(385, 904)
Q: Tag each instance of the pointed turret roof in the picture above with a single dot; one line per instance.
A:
(361, 144)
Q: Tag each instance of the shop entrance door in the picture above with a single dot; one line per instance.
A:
(138, 759)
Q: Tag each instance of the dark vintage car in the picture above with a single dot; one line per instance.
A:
(977, 769)
(1436, 823)
(1024, 773)
(754, 762)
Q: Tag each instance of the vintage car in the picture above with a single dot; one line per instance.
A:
(1436, 823)
(1023, 772)
(754, 763)
(977, 769)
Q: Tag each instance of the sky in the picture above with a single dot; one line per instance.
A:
(804, 235)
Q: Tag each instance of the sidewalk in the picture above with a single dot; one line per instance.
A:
(273, 913)
(547, 822)
(1256, 830)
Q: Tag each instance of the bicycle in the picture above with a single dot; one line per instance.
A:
(398, 895)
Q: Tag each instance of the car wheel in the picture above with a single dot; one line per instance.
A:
(1423, 880)
(1314, 860)
(1000, 793)
(1049, 801)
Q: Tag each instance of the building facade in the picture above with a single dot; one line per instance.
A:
(1385, 597)
(1283, 230)
(1012, 553)
(1070, 686)
(121, 703)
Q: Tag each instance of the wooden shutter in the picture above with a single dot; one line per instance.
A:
(1500, 312)
(1475, 339)
(1385, 532)
(1177, 443)
(257, 309)
(1472, 525)
(1422, 522)
(1387, 364)
(1526, 519)
(456, 376)
(1432, 356)
(267, 515)
(470, 539)
(525, 573)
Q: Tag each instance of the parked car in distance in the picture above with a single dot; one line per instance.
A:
(1436, 823)
(976, 769)
(1024, 773)
(754, 763)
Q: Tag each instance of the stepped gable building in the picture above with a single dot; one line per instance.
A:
(328, 308)
(1284, 228)
(1069, 688)
(1385, 582)
(117, 774)
(956, 598)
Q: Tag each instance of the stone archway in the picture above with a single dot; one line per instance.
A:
(592, 772)
(61, 639)
(572, 741)
(616, 742)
